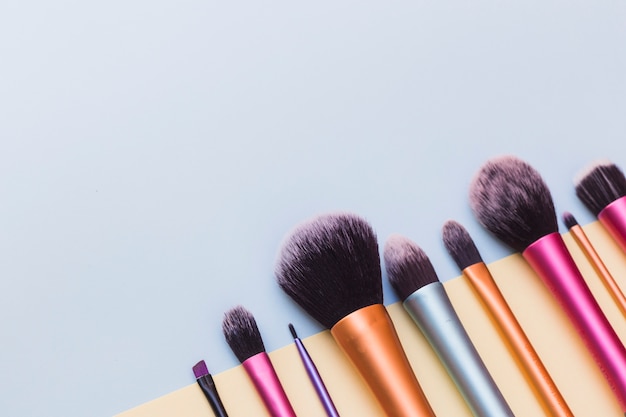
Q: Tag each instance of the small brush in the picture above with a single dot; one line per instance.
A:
(414, 279)
(580, 237)
(461, 247)
(314, 375)
(205, 381)
(511, 200)
(602, 188)
(330, 266)
(243, 337)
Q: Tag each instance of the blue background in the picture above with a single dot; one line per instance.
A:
(153, 154)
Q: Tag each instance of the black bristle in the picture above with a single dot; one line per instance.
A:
(511, 200)
(600, 186)
(569, 220)
(330, 266)
(408, 267)
(241, 333)
(460, 245)
(293, 331)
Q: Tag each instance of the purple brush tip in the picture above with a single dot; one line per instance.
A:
(200, 369)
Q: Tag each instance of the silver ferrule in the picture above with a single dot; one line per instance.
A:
(432, 311)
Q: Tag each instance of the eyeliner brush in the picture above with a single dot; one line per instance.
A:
(314, 376)
(580, 237)
(205, 381)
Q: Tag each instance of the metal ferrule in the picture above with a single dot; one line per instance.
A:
(432, 311)
(613, 217)
(263, 376)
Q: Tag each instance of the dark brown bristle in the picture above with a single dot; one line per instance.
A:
(460, 245)
(408, 267)
(242, 333)
(600, 186)
(330, 266)
(511, 200)
(569, 220)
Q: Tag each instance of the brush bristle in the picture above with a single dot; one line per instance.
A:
(569, 220)
(241, 333)
(408, 267)
(460, 245)
(293, 331)
(200, 369)
(603, 184)
(511, 200)
(330, 266)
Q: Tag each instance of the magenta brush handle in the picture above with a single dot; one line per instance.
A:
(263, 376)
(613, 217)
(550, 258)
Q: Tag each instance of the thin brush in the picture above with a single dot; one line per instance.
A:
(511, 200)
(331, 267)
(413, 277)
(243, 337)
(580, 237)
(206, 383)
(602, 188)
(461, 247)
(314, 375)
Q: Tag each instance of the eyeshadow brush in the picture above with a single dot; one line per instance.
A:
(206, 383)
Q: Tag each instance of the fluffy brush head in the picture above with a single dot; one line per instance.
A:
(408, 267)
(511, 200)
(600, 186)
(460, 245)
(242, 333)
(569, 220)
(330, 266)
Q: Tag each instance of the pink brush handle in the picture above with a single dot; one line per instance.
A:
(613, 217)
(550, 258)
(263, 376)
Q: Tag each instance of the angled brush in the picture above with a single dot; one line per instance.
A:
(207, 385)
(415, 281)
(461, 247)
(512, 201)
(602, 188)
(331, 267)
(243, 337)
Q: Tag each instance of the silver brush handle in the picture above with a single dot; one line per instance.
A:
(432, 311)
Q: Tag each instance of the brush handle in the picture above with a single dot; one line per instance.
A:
(316, 380)
(549, 257)
(263, 376)
(207, 385)
(613, 217)
(433, 313)
(516, 340)
(370, 341)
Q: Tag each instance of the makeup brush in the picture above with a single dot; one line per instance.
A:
(580, 237)
(511, 200)
(461, 247)
(602, 188)
(314, 375)
(243, 337)
(205, 381)
(330, 266)
(414, 279)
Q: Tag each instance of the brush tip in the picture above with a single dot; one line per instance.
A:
(200, 369)
(330, 266)
(293, 331)
(599, 185)
(408, 267)
(242, 333)
(569, 220)
(460, 245)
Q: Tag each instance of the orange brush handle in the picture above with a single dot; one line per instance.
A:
(483, 284)
(370, 341)
(594, 259)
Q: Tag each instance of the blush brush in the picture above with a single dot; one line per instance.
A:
(462, 249)
(602, 188)
(243, 337)
(414, 279)
(330, 266)
(511, 200)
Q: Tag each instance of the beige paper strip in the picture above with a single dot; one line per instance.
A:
(554, 338)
